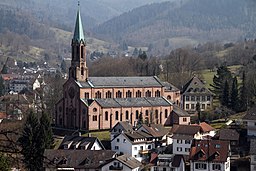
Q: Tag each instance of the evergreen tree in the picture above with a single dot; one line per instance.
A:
(143, 56)
(198, 109)
(234, 101)
(4, 163)
(223, 75)
(31, 147)
(225, 97)
(36, 136)
(1, 86)
(243, 94)
(135, 52)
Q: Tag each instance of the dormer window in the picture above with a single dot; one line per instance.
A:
(217, 146)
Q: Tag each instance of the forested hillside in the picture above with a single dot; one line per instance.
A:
(195, 20)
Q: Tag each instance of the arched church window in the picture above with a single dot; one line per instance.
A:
(98, 95)
(77, 52)
(148, 93)
(169, 97)
(119, 94)
(82, 71)
(128, 94)
(108, 94)
(157, 93)
(138, 93)
(82, 52)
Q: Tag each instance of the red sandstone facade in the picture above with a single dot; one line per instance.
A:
(94, 103)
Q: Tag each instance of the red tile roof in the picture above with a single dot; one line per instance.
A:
(209, 150)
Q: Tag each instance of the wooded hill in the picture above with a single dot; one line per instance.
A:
(196, 21)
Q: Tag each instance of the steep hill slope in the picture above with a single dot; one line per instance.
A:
(193, 20)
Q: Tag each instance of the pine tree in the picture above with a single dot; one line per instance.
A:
(223, 75)
(234, 101)
(198, 109)
(243, 95)
(225, 95)
(36, 137)
(63, 66)
(29, 141)
(1, 86)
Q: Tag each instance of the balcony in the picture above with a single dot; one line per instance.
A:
(115, 167)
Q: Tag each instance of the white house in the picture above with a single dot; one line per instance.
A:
(182, 136)
(120, 127)
(169, 162)
(210, 155)
(135, 143)
(158, 131)
(250, 121)
(124, 162)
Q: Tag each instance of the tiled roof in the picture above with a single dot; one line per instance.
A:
(81, 141)
(206, 127)
(185, 129)
(180, 112)
(251, 114)
(156, 130)
(195, 86)
(177, 160)
(209, 150)
(2, 115)
(169, 87)
(86, 159)
(228, 134)
(183, 137)
(129, 161)
(126, 126)
(123, 82)
(133, 102)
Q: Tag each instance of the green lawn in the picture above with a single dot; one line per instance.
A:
(102, 135)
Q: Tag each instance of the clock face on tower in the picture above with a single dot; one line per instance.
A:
(71, 92)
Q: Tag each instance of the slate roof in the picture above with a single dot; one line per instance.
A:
(81, 141)
(129, 161)
(180, 112)
(169, 87)
(253, 146)
(195, 86)
(156, 130)
(228, 134)
(210, 150)
(133, 102)
(251, 114)
(85, 159)
(126, 126)
(100, 82)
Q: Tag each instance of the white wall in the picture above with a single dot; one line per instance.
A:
(182, 145)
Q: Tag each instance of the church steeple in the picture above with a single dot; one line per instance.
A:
(79, 32)
(78, 69)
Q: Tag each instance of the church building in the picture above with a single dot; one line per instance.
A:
(96, 103)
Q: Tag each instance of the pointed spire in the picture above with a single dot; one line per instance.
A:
(79, 32)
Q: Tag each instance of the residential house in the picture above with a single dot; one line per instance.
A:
(179, 116)
(253, 154)
(210, 155)
(195, 91)
(81, 143)
(250, 121)
(230, 135)
(122, 126)
(182, 136)
(159, 132)
(135, 143)
(122, 163)
(81, 160)
(168, 162)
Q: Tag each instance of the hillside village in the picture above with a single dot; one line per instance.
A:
(149, 123)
